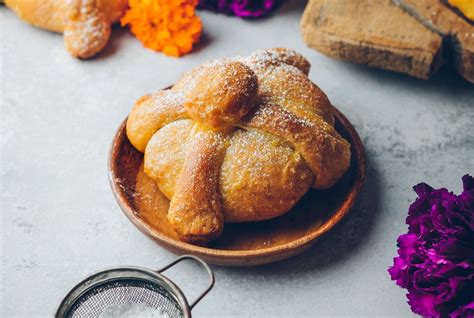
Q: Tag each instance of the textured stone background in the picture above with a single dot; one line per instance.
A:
(59, 220)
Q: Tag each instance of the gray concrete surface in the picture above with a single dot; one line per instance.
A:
(59, 220)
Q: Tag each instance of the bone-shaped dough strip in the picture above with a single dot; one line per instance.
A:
(324, 150)
(195, 210)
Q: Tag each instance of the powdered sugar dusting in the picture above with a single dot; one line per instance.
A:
(87, 29)
(53, 13)
(264, 59)
(267, 114)
(218, 93)
(287, 118)
(168, 98)
(130, 310)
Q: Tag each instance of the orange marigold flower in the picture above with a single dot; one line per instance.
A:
(169, 26)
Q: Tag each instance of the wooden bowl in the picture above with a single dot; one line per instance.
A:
(241, 244)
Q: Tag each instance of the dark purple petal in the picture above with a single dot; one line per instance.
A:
(241, 8)
(456, 247)
(466, 311)
(406, 244)
(422, 189)
(436, 256)
(423, 304)
(398, 272)
(468, 182)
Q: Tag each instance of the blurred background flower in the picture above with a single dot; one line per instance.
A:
(436, 257)
(241, 8)
(171, 27)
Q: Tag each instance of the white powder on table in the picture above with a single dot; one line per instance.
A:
(129, 309)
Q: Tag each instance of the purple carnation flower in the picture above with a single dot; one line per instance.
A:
(436, 257)
(241, 8)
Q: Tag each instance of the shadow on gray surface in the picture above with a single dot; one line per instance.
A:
(116, 37)
(340, 243)
(119, 34)
(204, 41)
(291, 6)
(446, 81)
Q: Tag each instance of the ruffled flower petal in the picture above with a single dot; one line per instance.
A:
(436, 257)
(169, 26)
(241, 8)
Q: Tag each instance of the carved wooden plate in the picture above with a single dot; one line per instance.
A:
(241, 244)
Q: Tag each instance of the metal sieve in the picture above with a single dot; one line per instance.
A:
(130, 285)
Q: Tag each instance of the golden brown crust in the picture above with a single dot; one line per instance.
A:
(288, 87)
(150, 113)
(195, 210)
(276, 57)
(87, 29)
(85, 23)
(49, 15)
(220, 93)
(325, 151)
(282, 79)
(216, 165)
(261, 177)
(164, 157)
(114, 9)
(246, 195)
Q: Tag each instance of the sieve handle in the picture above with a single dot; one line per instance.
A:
(206, 267)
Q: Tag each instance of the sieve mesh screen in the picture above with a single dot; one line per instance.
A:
(119, 292)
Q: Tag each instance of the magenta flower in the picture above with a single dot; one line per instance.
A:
(241, 8)
(436, 257)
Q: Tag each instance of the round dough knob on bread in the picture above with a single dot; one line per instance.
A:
(263, 59)
(219, 94)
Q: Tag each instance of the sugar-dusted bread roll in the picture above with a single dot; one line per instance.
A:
(85, 23)
(238, 140)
